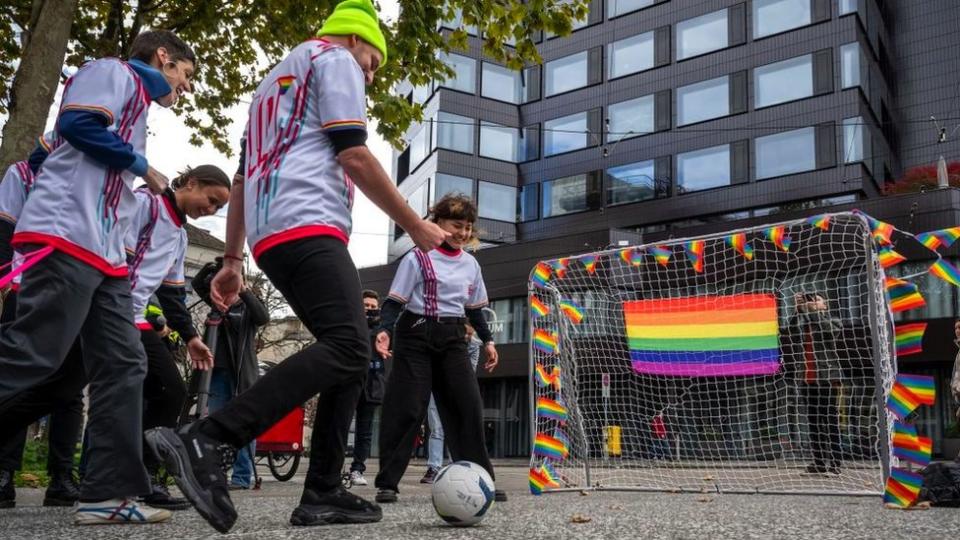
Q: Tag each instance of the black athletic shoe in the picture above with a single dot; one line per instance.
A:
(386, 496)
(160, 497)
(429, 476)
(194, 462)
(335, 506)
(8, 494)
(63, 489)
(500, 495)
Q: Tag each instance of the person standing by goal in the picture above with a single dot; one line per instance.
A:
(440, 290)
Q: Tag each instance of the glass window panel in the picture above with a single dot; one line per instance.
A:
(853, 139)
(565, 134)
(847, 6)
(786, 153)
(422, 93)
(702, 34)
(619, 7)
(631, 118)
(850, 65)
(420, 146)
(418, 199)
(783, 81)
(529, 202)
(501, 83)
(465, 73)
(500, 142)
(775, 16)
(569, 195)
(448, 183)
(565, 74)
(703, 101)
(454, 132)
(497, 201)
(457, 21)
(703, 169)
(630, 183)
(630, 55)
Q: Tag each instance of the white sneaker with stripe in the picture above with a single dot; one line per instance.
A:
(117, 511)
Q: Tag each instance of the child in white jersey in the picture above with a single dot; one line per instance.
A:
(439, 291)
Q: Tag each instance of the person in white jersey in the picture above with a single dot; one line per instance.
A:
(305, 149)
(81, 206)
(438, 291)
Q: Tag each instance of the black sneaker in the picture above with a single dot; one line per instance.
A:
(8, 494)
(335, 506)
(195, 463)
(500, 495)
(385, 495)
(160, 497)
(429, 476)
(63, 489)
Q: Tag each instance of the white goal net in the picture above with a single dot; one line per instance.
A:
(755, 360)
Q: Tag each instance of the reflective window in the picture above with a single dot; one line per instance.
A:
(630, 183)
(850, 65)
(631, 118)
(565, 134)
(448, 183)
(785, 153)
(783, 81)
(418, 200)
(630, 55)
(500, 142)
(847, 6)
(702, 34)
(420, 146)
(465, 73)
(703, 169)
(569, 195)
(565, 74)
(422, 93)
(507, 319)
(775, 16)
(502, 83)
(529, 202)
(497, 202)
(454, 132)
(853, 139)
(619, 7)
(703, 101)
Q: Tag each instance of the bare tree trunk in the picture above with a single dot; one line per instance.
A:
(35, 83)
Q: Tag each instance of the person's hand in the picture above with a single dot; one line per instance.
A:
(428, 235)
(492, 357)
(383, 345)
(156, 181)
(200, 355)
(956, 329)
(165, 331)
(226, 285)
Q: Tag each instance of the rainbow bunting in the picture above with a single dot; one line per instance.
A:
(822, 221)
(537, 307)
(562, 437)
(541, 275)
(946, 271)
(903, 487)
(545, 341)
(547, 378)
(901, 401)
(920, 455)
(704, 336)
(881, 231)
(909, 338)
(553, 410)
(560, 267)
(942, 237)
(550, 447)
(285, 82)
(551, 474)
(589, 262)
(778, 235)
(695, 249)
(739, 242)
(538, 481)
(903, 295)
(631, 256)
(929, 239)
(905, 436)
(921, 386)
(661, 254)
(888, 257)
(572, 311)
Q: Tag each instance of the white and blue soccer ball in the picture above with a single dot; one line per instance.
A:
(463, 493)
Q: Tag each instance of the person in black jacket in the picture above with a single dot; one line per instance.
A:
(372, 395)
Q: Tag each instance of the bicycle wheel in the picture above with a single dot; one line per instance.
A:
(283, 465)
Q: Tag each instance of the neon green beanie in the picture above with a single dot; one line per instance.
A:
(356, 17)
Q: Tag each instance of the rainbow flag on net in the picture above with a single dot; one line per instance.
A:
(550, 447)
(901, 401)
(888, 257)
(545, 341)
(946, 271)
(910, 338)
(551, 409)
(705, 336)
(919, 455)
(589, 263)
(921, 386)
(903, 295)
(903, 487)
(905, 436)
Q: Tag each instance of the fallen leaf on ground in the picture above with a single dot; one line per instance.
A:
(704, 499)
(584, 493)
(580, 518)
(708, 478)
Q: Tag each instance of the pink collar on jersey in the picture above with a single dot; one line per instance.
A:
(448, 251)
(170, 201)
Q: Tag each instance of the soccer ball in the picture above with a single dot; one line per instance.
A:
(462, 493)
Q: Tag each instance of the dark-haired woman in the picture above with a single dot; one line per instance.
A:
(438, 292)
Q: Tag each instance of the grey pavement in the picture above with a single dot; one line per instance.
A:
(264, 514)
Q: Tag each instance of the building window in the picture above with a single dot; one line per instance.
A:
(529, 202)
(703, 169)
(464, 78)
(418, 199)
(852, 139)
(420, 146)
(702, 34)
(422, 93)
(496, 201)
(631, 183)
(575, 24)
(501, 83)
(500, 142)
(565, 134)
(786, 153)
(703, 101)
(508, 320)
(847, 6)
(571, 194)
(783, 81)
(850, 65)
(616, 8)
(565, 74)
(775, 16)
(447, 183)
(457, 22)
(631, 118)
(454, 132)
(630, 55)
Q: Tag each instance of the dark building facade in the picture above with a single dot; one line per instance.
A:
(657, 119)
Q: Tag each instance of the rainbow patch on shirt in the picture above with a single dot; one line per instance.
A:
(285, 82)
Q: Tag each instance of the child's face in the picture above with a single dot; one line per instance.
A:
(368, 56)
(197, 201)
(178, 75)
(461, 231)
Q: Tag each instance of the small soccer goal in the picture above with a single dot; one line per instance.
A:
(756, 360)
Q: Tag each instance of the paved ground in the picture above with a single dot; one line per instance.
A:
(264, 515)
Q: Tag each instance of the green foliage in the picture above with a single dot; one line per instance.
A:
(237, 41)
(33, 472)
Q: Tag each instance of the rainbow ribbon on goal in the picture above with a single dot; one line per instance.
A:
(903, 487)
